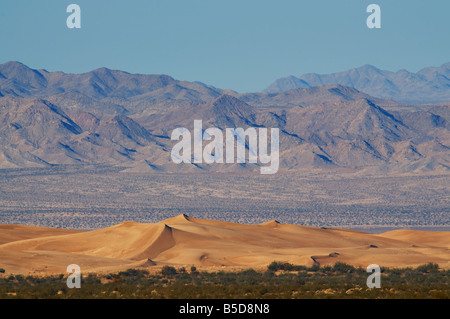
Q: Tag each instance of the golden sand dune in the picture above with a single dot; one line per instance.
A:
(11, 232)
(210, 244)
(420, 238)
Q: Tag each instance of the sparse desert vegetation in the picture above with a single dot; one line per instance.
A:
(280, 280)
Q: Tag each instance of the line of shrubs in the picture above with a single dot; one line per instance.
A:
(341, 267)
(337, 267)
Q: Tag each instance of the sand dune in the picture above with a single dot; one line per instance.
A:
(211, 244)
(418, 237)
(11, 232)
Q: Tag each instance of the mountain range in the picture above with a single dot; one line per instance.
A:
(429, 85)
(120, 119)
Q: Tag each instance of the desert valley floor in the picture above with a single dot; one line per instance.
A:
(105, 220)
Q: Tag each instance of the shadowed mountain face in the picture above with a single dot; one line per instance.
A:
(34, 132)
(430, 85)
(121, 119)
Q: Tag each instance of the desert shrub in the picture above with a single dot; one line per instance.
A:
(2, 270)
(326, 269)
(343, 267)
(315, 267)
(276, 265)
(249, 273)
(430, 267)
(129, 272)
(168, 271)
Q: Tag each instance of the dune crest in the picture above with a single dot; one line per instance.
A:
(182, 218)
(272, 223)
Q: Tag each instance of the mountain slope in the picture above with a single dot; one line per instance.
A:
(35, 132)
(430, 85)
(308, 96)
(129, 91)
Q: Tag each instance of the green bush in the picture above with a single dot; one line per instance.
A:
(430, 267)
(343, 267)
(168, 271)
(315, 267)
(276, 265)
(2, 270)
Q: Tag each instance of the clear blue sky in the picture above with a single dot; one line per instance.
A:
(242, 45)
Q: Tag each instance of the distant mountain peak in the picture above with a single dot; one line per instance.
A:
(368, 67)
(446, 65)
(230, 104)
(13, 64)
(103, 70)
(429, 85)
(17, 79)
(229, 111)
(13, 68)
(226, 98)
